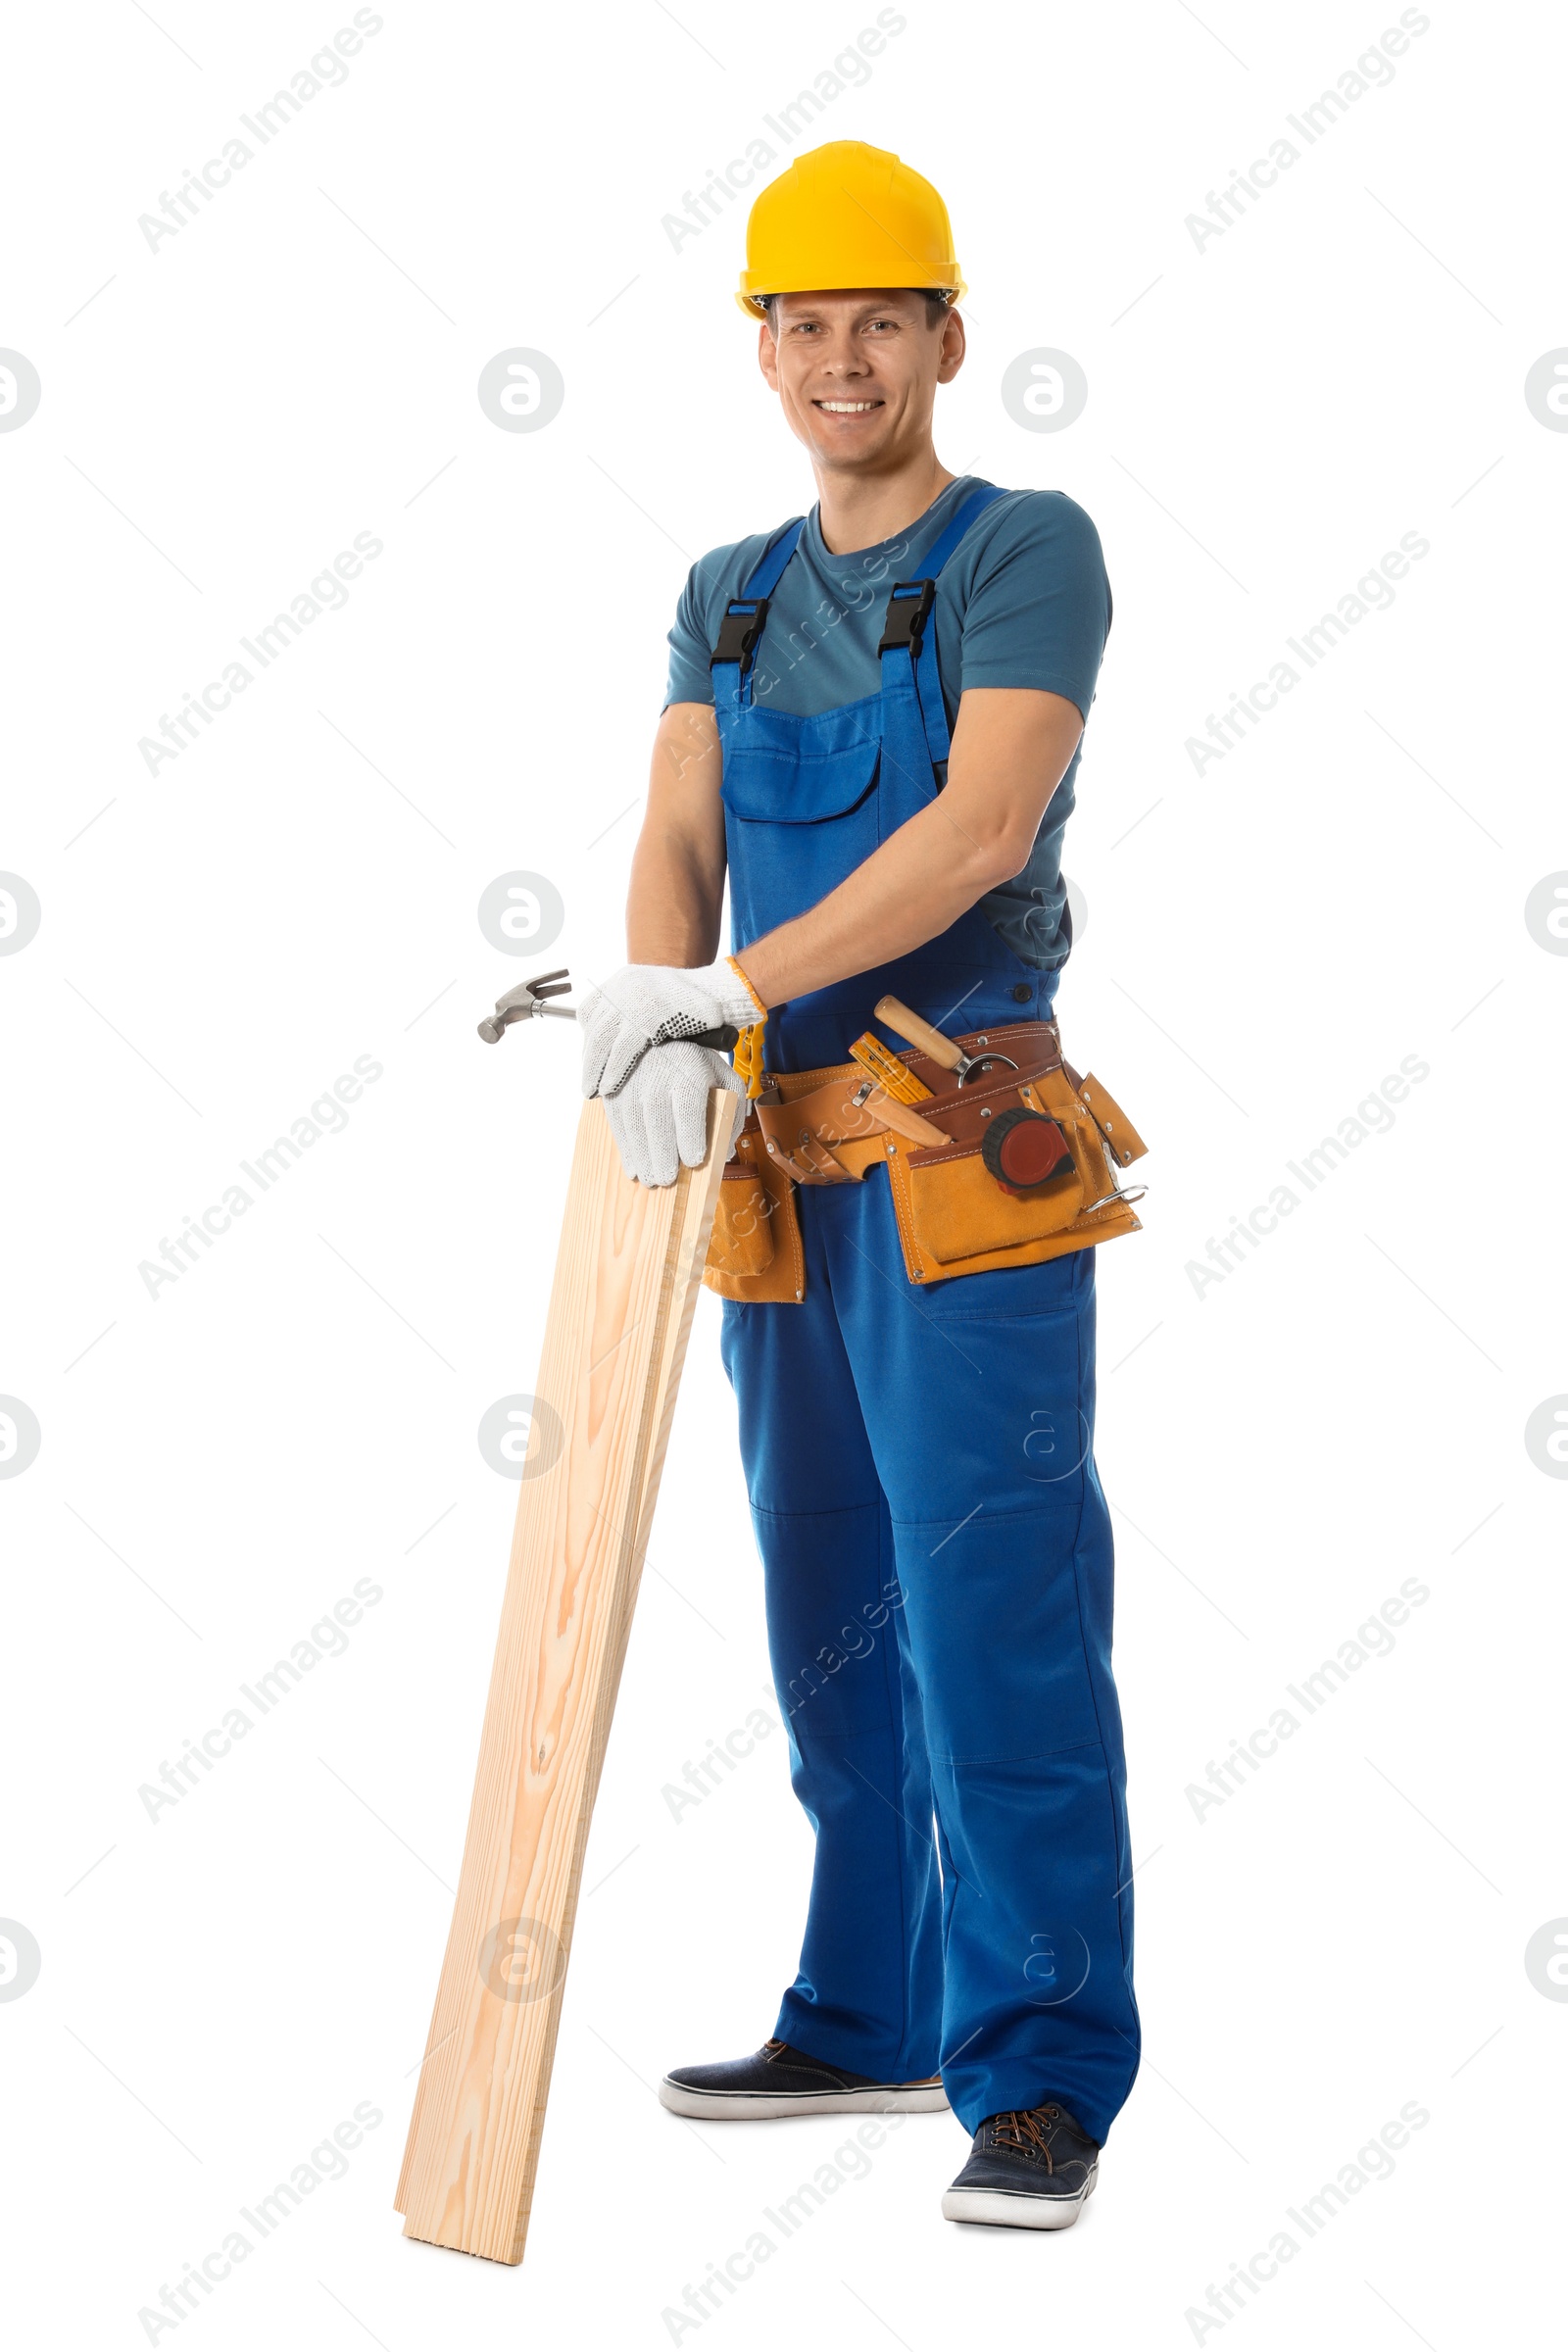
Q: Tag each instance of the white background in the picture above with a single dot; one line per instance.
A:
(220, 1464)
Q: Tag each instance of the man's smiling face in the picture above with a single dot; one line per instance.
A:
(858, 372)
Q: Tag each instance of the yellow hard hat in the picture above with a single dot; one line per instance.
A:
(847, 215)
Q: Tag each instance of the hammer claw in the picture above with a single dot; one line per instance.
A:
(527, 1001)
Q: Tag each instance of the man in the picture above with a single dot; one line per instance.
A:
(936, 1546)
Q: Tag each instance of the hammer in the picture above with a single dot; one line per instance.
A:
(528, 1000)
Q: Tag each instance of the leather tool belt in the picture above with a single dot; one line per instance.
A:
(1020, 1164)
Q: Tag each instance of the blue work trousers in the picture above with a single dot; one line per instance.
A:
(937, 1555)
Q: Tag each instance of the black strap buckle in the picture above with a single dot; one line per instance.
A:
(740, 632)
(908, 608)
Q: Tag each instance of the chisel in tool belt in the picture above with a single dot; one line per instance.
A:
(942, 1050)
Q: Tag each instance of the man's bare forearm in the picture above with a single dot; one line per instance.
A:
(907, 891)
(920, 880)
(1010, 749)
(672, 911)
(677, 899)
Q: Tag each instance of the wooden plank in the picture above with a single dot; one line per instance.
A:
(628, 1273)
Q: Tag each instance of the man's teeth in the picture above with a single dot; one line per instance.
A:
(848, 407)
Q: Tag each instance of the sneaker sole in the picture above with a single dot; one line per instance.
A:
(755, 2107)
(1010, 2209)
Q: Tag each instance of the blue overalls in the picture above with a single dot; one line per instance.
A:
(936, 1546)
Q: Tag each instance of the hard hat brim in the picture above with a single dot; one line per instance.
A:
(752, 297)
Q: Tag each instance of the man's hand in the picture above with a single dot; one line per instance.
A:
(655, 1085)
(646, 1005)
(659, 1116)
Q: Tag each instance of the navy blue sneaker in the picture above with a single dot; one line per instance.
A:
(1030, 2169)
(777, 2079)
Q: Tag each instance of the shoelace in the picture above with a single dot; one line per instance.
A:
(1020, 2128)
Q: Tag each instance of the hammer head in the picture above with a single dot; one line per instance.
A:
(529, 1002)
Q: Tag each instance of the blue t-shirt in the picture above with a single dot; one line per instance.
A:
(1023, 602)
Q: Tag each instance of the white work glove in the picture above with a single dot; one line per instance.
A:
(659, 1117)
(655, 1086)
(646, 1005)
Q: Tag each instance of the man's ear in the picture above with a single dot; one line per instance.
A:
(767, 354)
(953, 347)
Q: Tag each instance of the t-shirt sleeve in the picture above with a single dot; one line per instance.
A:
(689, 645)
(1040, 609)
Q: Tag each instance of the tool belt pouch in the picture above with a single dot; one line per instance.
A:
(1030, 1172)
(816, 1127)
(755, 1252)
(1027, 1170)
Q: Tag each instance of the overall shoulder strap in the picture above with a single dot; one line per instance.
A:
(778, 553)
(909, 607)
(741, 629)
(973, 507)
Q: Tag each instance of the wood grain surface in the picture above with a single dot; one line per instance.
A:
(626, 1284)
